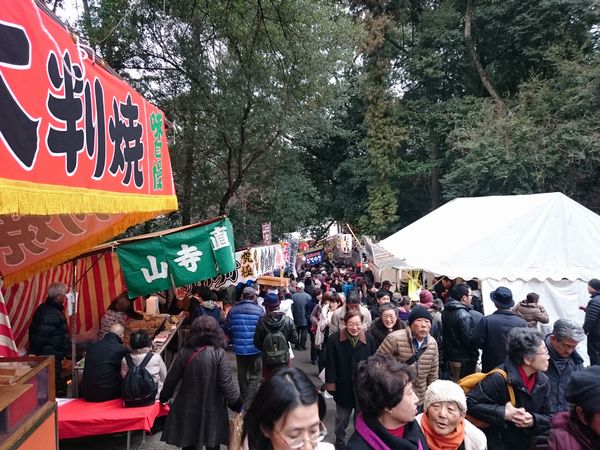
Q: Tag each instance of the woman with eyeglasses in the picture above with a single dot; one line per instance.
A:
(345, 349)
(286, 413)
(516, 426)
(388, 406)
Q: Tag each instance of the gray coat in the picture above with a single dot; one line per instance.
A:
(198, 415)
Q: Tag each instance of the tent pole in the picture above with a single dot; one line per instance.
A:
(74, 380)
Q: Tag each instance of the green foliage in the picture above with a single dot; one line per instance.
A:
(548, 143)
(363, 111)
(247, 85)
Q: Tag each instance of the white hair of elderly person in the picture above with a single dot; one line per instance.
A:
(443, 419)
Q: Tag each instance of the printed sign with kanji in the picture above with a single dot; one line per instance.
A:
(187, 256)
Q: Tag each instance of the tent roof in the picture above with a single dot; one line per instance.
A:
(537, 236)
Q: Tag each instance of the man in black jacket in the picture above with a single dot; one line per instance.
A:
(591, 326)
(457, 329)
(102, 371)
(48, 332)
(491, 333)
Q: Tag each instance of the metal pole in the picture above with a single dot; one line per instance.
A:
(74, 380)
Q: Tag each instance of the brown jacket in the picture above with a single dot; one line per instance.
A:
(532, 313)
(426, 368)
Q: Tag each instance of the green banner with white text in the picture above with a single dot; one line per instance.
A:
(189, 256)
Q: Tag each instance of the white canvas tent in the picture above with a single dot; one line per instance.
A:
(544, 243)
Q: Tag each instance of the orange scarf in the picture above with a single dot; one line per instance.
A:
(450, 441)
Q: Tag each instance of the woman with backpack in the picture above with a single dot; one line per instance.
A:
(206, 386)
(141, 347)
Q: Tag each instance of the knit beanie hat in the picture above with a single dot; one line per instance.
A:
(594, 283)
(426, 298)
(418, 312)
(445, 391)
(584, 389)
(271, 300)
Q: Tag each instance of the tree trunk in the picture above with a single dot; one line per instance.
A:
(434, 181)
(485, 79)
(188, 169)
(87, 20)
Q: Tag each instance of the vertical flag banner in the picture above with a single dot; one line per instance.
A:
(266, 233)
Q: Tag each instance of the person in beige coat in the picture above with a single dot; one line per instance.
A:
(532, 311)
(443, 420)
(417, 348)
(140, 346)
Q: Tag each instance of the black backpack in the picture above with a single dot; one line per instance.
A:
(276, 350)
(139, 388)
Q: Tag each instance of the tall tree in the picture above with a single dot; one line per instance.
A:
(241, 80)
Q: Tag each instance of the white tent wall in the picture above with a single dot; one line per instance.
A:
(561, 299)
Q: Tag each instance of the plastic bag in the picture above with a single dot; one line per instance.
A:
(236, 422)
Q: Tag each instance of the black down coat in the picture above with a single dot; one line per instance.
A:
(341, 359)
(198, 415)
(591, 326)
(102, 371)
(48, 332)
(457, 330)
(487, 402)
(491, 335)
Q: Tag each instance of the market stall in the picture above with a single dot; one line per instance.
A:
(83, 156)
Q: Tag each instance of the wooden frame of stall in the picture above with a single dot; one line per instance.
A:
(38, 428)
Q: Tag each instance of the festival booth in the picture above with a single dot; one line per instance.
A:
(83, 157)
(543, 243)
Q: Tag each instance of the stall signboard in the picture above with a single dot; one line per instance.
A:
(290, 254)
(345, 243)
(187, 256)
(83, 156)
(315, 257)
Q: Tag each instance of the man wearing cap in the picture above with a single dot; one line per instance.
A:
(459, 353)
(240, 327)
(426, 300)
(415, 346)
(491, 334)
(591, 325)
(578, 429)
(386, 288)
(273, 321)
(443, 419)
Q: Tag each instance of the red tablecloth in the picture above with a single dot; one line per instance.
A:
(79, 418)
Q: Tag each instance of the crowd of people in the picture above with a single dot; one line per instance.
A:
(401, 370)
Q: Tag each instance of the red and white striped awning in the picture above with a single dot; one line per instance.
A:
(7, 341)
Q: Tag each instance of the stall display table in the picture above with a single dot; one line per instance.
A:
(79, 418)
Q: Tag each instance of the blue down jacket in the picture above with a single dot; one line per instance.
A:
(241, 324)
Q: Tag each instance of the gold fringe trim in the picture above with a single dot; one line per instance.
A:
(80, 247)
(26, 198)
